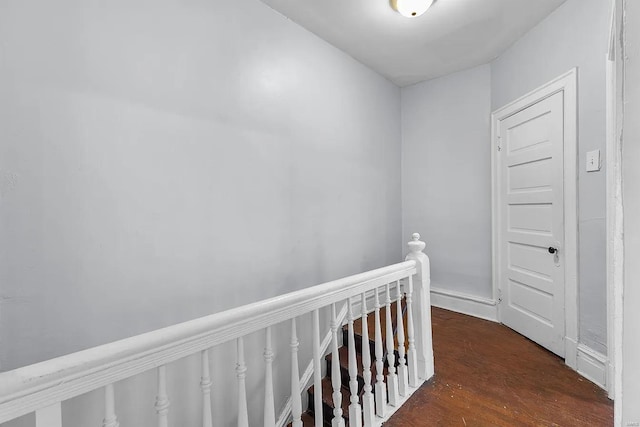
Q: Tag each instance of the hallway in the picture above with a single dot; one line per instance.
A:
(488, 375)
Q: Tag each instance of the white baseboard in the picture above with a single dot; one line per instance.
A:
(592, 365)
(484, 308)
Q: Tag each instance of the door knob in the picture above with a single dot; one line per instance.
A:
(552, 250)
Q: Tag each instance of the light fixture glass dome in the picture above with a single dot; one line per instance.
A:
(411, 8)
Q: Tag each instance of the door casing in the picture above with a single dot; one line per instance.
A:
(568, 84)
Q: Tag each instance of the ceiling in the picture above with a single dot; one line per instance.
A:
(453, 35)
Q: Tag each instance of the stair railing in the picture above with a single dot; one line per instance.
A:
(42, 387)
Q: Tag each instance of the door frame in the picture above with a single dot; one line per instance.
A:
(568, 84)
(615, 242)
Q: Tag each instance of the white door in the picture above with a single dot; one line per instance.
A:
(531, 221)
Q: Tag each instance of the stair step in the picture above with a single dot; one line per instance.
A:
(327, 400)
(357, 328)
(307, 420)
(343, 353)
(358, 340)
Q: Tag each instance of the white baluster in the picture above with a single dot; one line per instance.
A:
(355, 411)
(51, 416)
(317, 370)
(269, 402)
(422, 307)
(110, 418)
(205, 386)
(241, 374)
(296, 400)
(403, 374)
(392, 378)
(162, 400)
(381, 390)
(412, 355)
(336, 380)
(368, 405)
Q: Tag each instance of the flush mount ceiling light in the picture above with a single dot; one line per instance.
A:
(411, 8)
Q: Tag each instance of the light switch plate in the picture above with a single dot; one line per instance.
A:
(593, 161)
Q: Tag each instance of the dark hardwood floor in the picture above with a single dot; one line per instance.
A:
(488, 375)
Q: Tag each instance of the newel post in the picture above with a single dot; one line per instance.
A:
(422, 298)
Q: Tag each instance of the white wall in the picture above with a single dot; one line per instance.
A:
(446, 178)
(163, 160)
(631, 188)
(575, 35)
(446, 154)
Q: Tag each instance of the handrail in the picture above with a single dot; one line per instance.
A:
(30, 388)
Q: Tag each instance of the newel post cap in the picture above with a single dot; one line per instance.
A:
(416, 245)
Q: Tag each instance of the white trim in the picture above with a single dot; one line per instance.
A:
(611, 176)
(592, 365)
(571, 348)
(472, 305)
(615, 247)
(567, 83)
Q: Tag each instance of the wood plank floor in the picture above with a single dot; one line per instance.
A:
(488, 375)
